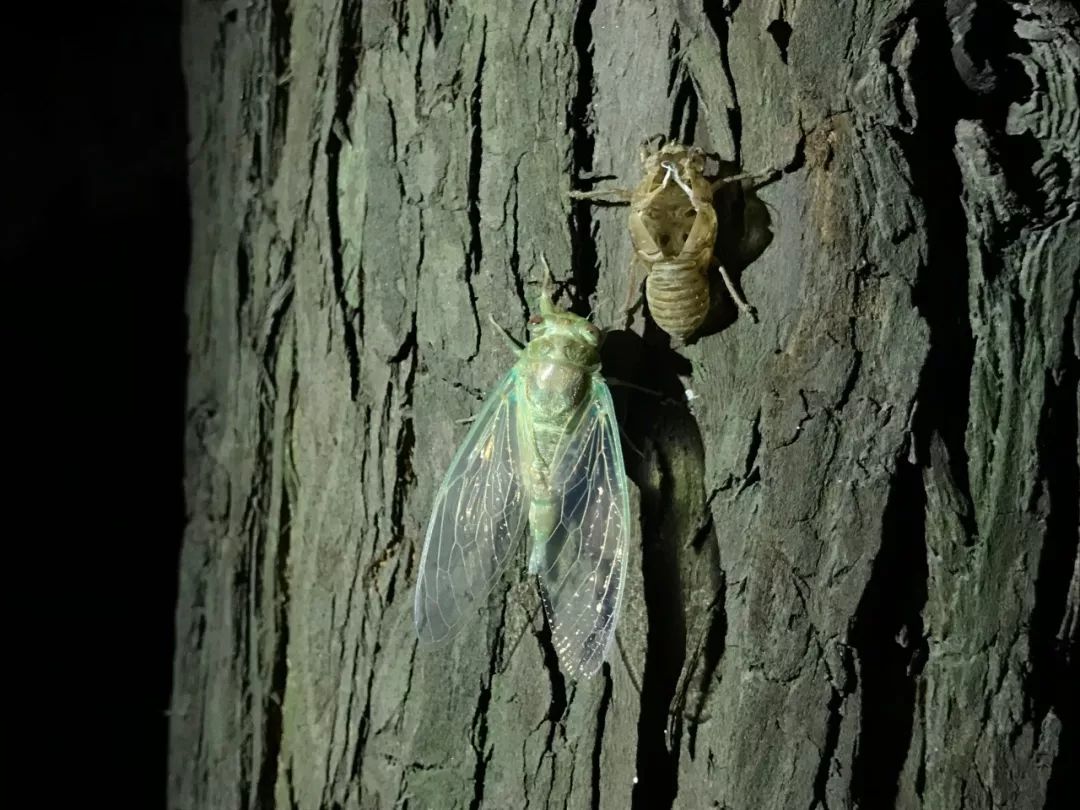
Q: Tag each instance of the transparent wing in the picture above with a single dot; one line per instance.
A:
(478, 516)
(583, 567)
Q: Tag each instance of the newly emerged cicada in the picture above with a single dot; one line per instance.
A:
(673, 229)
(545, 451)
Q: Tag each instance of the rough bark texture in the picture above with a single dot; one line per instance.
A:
(855, 572)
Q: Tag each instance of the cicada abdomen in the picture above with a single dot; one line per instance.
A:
(673, 230)
(678, 296)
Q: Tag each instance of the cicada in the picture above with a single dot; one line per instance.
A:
(544, 451)
(673, 230)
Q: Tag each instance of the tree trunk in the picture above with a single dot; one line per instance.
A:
(854, 578)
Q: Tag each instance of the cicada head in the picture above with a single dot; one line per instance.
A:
(556, 320)
(558, 330)
(689, 160)
(562, 336)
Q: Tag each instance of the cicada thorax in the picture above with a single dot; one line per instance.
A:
(673, 236)
(557, 379)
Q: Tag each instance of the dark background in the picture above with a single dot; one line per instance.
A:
(97, 222)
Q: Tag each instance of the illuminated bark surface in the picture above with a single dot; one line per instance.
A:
(854, 576)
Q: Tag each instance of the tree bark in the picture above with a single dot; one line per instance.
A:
(854, 577)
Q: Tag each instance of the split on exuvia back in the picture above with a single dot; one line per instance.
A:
(543, 452)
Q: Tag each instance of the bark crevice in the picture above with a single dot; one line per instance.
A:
(481, 720)
(888, 639)
(349, 329)
(598, 747)
(941, 287)
(1051, 684)
(718, 21)
(475, 256)
(583, 258)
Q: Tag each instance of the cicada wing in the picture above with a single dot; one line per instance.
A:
(477, 519)
(584, 560)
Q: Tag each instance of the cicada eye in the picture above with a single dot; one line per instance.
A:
(536, 319)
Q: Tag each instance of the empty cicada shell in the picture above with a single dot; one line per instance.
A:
(673, 231)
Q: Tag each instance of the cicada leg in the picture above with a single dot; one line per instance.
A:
(615, 382)
(517, 347)
(736, 296)
(622, 195)
(738, 178)
(633, 285)
(629, 443)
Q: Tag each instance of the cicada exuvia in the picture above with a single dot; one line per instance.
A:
(544, 451)
(673, 231)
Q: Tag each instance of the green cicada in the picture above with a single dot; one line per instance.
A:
(544, 450)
